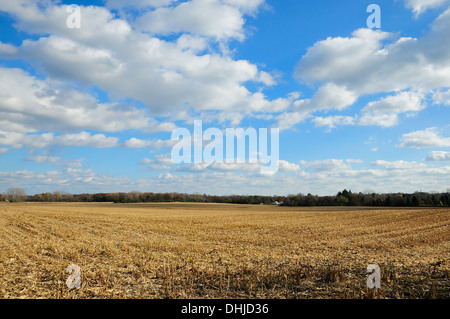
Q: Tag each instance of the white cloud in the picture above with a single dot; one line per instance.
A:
(168, 77)
(164, 159)
(234, 167)
(385, 111)
(4, 150)
(86, 139)
(398, 164)
(7, 49)
(342, 61)
(333, 121)
(328, 165)
(76, 163)
(191, 74)
(326, 181)
(56, 161)
(145, 161)
(438, 156)
(246, 6)
(139, 4)
(424, 139)
(366, 65)
(354, 161)
(442, 97)
(194, 44)
(420, 6)
(328, 97)
(154, 127)
(286, 166)
(138, 143)
(374, 62)
(159, 163)
(210, 18)
(256, 168)
(18, 140)
(43, 159)
(288, 120)
(28, 104)
(218, 19)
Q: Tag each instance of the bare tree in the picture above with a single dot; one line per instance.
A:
(16, 194)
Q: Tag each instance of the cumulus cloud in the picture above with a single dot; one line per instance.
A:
(442, 97)
(438, 156)
(56, 161)
(372, 61)
(160, 162)
(354, 161)
(286, 166)
(86, 139)
(43, 159)
(28, 104)
(343, 61)
(424, 139)
(127, 55)
(221, 182)
(410, 70)
(7, 49)
(219, 19)
(332, 122)
(137, 4)
(420, 6)
(328, 165)
(385, 111)
(202, 17)
(167, 77)
(190, 16)
(288, 120)
(328, 97)
(398, 164)
(157, 143)
(44, 140)
(254, 168)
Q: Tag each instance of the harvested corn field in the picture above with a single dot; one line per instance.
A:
(221, 251)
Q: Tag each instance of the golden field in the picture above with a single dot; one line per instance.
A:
(220, 251)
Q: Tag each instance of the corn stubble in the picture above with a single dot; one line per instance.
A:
(221, 251)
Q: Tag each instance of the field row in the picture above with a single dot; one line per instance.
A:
(221, 251)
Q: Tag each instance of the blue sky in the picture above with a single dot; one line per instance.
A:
(92, 109)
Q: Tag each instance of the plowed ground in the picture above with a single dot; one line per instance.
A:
(221, 251)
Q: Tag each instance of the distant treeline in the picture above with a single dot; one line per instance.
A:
(343, 198)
